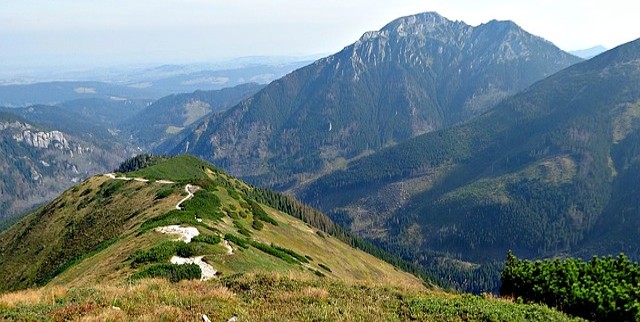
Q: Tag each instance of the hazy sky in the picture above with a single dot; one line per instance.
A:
(110, 32)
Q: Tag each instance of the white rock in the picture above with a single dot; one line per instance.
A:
(186, 233)
(208, 272)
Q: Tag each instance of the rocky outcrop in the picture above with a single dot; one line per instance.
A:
(43, 140)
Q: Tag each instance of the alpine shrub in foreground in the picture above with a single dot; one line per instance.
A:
(602, 289)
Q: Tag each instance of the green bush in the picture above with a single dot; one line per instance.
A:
(241, 229)
(205, 204)
(260, 214)
(291, 253)
(237, 240)
(173, 217)
(603, 289)
(108, 188)
(257, 224)
(163, 252)
(186, 250)
(209, 239)
(274, 252)
(157, 254)
(325, 267)
(166, 192)
(233, 194)
(172, 272)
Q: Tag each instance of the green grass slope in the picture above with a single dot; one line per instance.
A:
(104, 229)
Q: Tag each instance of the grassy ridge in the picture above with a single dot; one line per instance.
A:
(103, 209)
(72, 227)
(261, 297)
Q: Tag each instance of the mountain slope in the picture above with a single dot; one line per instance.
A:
(107, 112)
(417, 74)
(37, 163)
(549, 171)
(171, 114)
(75, 122)
(589, 53)
(110, 228)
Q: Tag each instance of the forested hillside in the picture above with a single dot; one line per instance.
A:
(548, 171)
(171, 114)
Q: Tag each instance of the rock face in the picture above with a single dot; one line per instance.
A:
(43, 140)
(38, 164)
(417, 74)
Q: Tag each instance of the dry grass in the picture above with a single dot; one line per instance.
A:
(32, 296)
(254, 297)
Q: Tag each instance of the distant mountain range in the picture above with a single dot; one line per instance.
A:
(58, 92)
(589, 52)
(418, 74)
(148, 83)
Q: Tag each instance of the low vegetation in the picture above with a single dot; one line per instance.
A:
(261, 297)
(300, 258)
(208, 239)
(603, 289)
(172, 272)
(273, 252)
(166, 192)
(260, 214)
(325, 267)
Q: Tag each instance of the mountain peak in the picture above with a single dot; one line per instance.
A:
(589, 52)
(419, 25)
(503, 23)
(417, 74)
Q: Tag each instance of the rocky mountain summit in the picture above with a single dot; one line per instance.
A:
(416, 75)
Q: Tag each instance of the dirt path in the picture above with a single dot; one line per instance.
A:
(190, 189)
(113, 176)
(227, 246)
(186, 233)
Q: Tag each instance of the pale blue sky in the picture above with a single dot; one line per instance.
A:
(111, 32)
